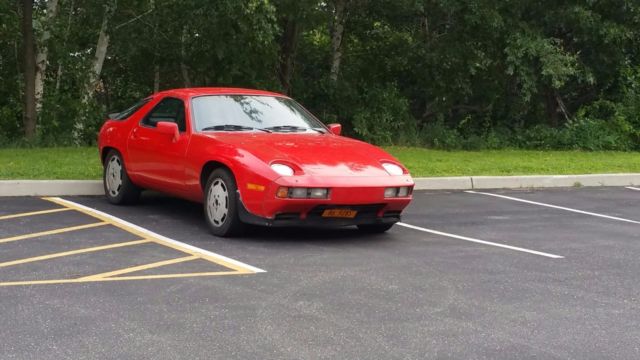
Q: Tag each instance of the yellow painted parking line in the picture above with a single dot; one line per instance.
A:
(13, 216)
(139, 268)
(73, 252)
(52, 232)
(234, 267)
(122, 278)
(145, 235)
(174, 276)
(131, 228)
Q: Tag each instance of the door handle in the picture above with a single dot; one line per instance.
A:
(134, 133)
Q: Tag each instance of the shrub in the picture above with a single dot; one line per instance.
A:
(384, 117)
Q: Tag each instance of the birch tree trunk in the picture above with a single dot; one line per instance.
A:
(43, 52)
(79, 128)
(29, 115)
(101, 52)
(64, 46)
(337, 33)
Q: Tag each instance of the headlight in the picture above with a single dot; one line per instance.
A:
(393, 169)
(282, 169)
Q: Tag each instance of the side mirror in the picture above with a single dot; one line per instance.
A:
(335, 129)
(169, 128)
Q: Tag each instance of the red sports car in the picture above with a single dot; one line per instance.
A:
(253, 157)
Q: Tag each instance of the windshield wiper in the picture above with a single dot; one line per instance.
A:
(287, 128)
(230, 127)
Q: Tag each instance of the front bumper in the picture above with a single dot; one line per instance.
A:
(366, 214)
(364, 195)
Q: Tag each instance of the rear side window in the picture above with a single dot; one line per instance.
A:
(130, 111)
(170, 110)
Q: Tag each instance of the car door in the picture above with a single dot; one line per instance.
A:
(157, 158)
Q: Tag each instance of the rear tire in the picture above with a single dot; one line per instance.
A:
(118, 188)
(374, 228)
(221, 204)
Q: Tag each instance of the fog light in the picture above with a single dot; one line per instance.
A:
(390, 192)
(282, 192)
(318, 193)
(403, 191)
(298, 193)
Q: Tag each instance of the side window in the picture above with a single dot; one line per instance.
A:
(130, 111)
(169, 109)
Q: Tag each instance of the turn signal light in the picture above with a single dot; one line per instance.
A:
(282, 193)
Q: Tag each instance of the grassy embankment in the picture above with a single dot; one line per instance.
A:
(83, 163)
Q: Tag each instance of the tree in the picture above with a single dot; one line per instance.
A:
(450, 73)
(101, 50)
(29, 116)
(43, 52)
(338, 21)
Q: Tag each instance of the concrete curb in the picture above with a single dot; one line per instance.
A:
(541, 181)
(443, 183)
(94, 187)
(50, 187)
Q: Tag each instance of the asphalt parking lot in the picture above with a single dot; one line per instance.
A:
(488, 275)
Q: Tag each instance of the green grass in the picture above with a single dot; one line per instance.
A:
(83, 163)
(50, 163)
(425, 162)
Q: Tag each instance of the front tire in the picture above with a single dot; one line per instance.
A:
(118, 188)
(374, 228)
(221, 204)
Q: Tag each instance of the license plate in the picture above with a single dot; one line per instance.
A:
(339, 213)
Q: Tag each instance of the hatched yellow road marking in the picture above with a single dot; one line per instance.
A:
(122, 278)
(72, 252)
(139, 268)
(236, 268)
(5, 217)
(52, 232)
(143, 235)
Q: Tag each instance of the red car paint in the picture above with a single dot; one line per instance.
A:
(154, 159)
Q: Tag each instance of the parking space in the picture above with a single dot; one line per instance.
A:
(496, 275)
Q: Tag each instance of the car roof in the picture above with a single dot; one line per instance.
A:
(199, 91)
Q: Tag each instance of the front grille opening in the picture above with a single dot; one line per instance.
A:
(391, 214)
(288, 216)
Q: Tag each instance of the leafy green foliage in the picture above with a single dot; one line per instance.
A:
(383, 116)
(447, 74)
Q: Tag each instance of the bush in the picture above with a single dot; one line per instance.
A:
(384, 118)
(579, 134)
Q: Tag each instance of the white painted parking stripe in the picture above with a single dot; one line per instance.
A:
(556, 207)
(633, 188)
(163, 238)
(459, 237)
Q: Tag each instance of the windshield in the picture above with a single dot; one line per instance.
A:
(243, 113)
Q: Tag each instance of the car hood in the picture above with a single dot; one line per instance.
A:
(314, 154)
